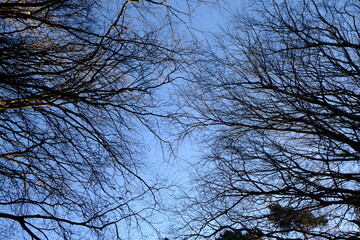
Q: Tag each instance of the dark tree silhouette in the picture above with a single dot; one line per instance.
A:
(238, 235)
(279, 102)
(77, 84)
(287, 218)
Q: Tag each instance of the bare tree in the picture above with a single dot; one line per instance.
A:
(77, 86)
(279, 100)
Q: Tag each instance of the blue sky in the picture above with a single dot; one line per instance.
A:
(206, 20)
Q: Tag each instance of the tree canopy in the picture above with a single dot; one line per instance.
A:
(278, 102)
(77, 85)
(275, 102)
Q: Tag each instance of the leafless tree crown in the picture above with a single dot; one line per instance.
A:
(279, 98)
(77, 80)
